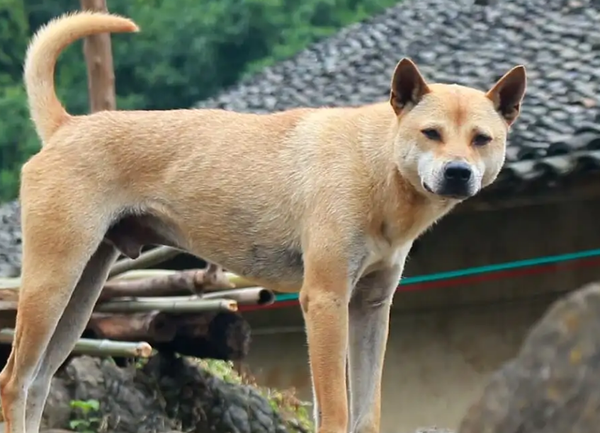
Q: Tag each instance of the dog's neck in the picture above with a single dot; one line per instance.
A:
(407, 211)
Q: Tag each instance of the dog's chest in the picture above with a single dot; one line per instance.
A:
(408, 223)
(383, 254)
(391, 243)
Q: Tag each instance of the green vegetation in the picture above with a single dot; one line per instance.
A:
(292, 410)
(187, 51)
(86, 422)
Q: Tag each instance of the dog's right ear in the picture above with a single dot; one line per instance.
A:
(408, 86)
(508, 92)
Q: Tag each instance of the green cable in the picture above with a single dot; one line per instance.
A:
(479, 270)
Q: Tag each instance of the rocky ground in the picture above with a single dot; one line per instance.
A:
(552, 384)
(169, 395)
(166, 394)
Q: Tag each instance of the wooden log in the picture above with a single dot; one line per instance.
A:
(153, 326)
(188, 282)
(135, 274)
(215, 335)
(8, 308)
(98, 56)
(8, 297)
(220, 335)
(173, 304)
(181, 284)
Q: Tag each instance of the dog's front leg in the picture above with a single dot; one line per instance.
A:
(368, 333)
(324, 298)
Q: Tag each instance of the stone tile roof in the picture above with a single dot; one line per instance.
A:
(10, 240)
(470, 42)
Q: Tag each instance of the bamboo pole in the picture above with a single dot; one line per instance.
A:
(251, 296)
(182, 283)
(134, 274)
(86, 346)
(10, 283)
(174, 304)
(145, 260)
(137, 274)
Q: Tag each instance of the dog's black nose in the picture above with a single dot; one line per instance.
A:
(457, 180)
(457, 172)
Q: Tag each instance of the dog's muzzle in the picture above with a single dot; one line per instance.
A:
(456, 181)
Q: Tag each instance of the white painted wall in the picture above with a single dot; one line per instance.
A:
(437, 362)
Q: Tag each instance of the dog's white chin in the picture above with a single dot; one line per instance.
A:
(430, 191)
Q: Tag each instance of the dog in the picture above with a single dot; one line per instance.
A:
(322, 201)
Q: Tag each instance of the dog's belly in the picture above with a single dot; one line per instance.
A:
(132, 232)
(274, 265)
(277, 267)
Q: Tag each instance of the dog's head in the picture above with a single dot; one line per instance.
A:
(451, 140)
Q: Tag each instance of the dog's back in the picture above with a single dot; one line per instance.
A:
(240, 179)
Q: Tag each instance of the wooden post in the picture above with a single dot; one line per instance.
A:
(98, 56)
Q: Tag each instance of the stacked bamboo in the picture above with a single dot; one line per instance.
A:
(139, 311)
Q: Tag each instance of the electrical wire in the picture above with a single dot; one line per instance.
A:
(538, 265)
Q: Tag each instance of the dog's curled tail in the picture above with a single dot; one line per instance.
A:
(47, 113)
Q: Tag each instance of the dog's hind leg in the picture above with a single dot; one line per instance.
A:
(58, 242)
(369, 313)
(69, 329)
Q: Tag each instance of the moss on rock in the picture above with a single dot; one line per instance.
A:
(293, 410)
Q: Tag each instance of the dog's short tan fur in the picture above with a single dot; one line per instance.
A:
(325, 201)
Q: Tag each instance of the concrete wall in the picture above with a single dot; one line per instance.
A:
(445, 342)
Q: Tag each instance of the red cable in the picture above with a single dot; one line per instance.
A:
(450, 282)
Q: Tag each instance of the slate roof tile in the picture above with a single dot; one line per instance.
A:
(470, 42)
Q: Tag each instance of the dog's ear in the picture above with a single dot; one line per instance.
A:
(508, 92)
(408, 86)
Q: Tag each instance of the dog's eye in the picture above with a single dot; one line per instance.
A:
(481, 139)
(432, 134)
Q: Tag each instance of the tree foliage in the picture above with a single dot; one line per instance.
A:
(187, 50)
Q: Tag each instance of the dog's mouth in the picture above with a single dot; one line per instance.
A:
(443, 194)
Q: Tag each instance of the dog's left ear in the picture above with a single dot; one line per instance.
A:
(507, 94)
(408, 86)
